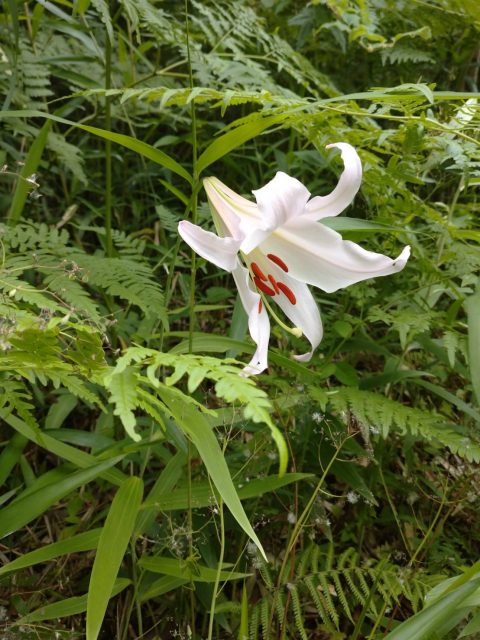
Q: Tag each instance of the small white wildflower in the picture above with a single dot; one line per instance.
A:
(317, 417)
(272, 455)
(375, 431)
(352, 497)
(291, 518)
(3, 613)
(32, 179)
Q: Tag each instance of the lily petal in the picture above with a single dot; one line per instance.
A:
(258, 322)
(318, 255)
(231, 211)
(346, 189)
(221, 251)
(281, 199)
(304, 314)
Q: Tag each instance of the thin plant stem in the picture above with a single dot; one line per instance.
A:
(108, 151)
(193, 272)
(297, 529)
(219, 569)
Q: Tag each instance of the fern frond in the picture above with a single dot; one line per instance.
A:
(68, 154)
(297, 611)
(16, 398)
(126, 278)
(385, 414)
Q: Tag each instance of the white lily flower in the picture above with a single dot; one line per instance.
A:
(285, 247)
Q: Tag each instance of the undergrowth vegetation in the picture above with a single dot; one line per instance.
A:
(148, 490)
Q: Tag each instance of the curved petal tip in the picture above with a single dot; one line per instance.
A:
(402, 259)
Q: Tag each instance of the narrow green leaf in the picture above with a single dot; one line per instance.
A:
(79, 458)
(243, 627)
(81, 542)
(181, 569)
(142, 148)
(11, 455)
(16, 515)
(472, 627)
(69, 606)
(29, 168)
(161, 586)
(194, 424)
(112, 545)
(422, 625)
(202, 494)
(449, 397)
(472, 305)
(162, 487)
(234, 138)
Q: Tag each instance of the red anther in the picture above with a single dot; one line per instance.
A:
(257, 271)
(288, 292)
(260, 306)
(264, 287)
(274, 283)
(278, 261)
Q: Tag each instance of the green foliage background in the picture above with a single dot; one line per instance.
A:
(148, 490)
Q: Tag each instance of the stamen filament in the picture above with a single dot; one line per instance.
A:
(295, 331)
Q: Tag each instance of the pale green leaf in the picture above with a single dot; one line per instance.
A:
(112, 545)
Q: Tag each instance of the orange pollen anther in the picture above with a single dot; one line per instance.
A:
(278, 261)
(274, 284)
(264, 287)
(257, 271)
(288, 292)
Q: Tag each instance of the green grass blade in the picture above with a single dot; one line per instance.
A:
(243, 627)
(69, 606)
(234, 138)
(202, 492)
(81, 542)
(16, 515)
(112, 545)
(42, 439)
(422, 625)
(142, 148)
(161, 586)
(31, 165)
(201, 434)
(11, 455)
(180, 569)
(472, 305)
(162, 487)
